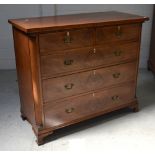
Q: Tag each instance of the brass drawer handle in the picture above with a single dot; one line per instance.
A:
(69, 110)
(116, 75)
(94, 51)
(69, 86)
(67, 38)
(118, 32)
(117, 52)
(68, 62)
(115, 98)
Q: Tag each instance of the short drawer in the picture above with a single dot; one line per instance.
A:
(117, 33)
(83, 59)
(61, 87)
(83, 107)
(69, 39)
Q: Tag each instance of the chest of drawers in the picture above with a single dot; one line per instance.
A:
(75, 67)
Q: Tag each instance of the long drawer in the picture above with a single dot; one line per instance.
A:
(63, 40)
(61, 87)
(78, 108)
(86, 58)
(117, 33)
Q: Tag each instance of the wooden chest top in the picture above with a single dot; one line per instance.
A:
(41, 24)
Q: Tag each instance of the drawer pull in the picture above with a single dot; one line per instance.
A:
(94, 51)
(117, 52)
(67, 38)
(68, 62)
(118, 32)
(70, 110)
(115, 98)
(94, 72)
(116, 75)
(69, 86)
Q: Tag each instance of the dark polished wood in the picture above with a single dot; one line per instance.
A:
(74, 109)
(23, 66)
(151, 61)
(84, 59)
(75, 67)
(59, 41)
(42, 24)
(117, 33)
(74, 84)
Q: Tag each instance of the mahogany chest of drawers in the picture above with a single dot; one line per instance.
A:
(75, 67)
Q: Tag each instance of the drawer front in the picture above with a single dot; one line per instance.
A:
(58, 41)
(117, 33)
(82, 107)
(74, 60)
(61, 87)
